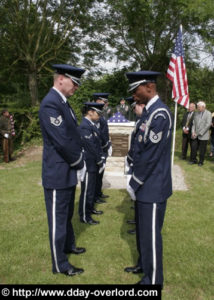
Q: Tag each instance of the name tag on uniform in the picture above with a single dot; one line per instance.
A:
(56, 121)
(143, 127)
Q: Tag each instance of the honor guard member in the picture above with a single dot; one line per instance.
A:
(95, 161)
(132, 115)
(151, 182)
(138, 109)
(62, 157)
(102, 126)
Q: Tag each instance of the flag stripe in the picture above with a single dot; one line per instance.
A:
(177, 74)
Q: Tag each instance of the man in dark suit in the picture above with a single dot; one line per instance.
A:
(62, 157)
(151, 183)
(187, 122)
(95, 161)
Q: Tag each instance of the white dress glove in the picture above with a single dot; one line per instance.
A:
(102, 168)
(126, 166)
(81, 173)
(6, 135)
(130, 189)
(110, 151)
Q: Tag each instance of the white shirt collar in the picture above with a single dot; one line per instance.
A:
(63, 96)
(151, 101)
(89, 120)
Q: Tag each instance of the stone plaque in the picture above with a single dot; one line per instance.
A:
(120, 134)
(120, 144)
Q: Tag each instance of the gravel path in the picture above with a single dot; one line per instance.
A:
(117, 180)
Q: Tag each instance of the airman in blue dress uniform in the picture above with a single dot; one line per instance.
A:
(62, 157)
(102, 126)
(95, 161)
(151, 183)
(138, 110)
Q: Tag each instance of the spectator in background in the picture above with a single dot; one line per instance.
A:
(13, 133)
(187, 128)
(7, 132)
(200, 132)
(107, 110)
(212, 137)
(123, 108)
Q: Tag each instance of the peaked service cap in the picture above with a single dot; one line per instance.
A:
(141, 77)
(94, 106)
(69, 71)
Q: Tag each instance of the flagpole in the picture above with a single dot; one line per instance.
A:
(177, 74)
(174, 134)
(174, 130)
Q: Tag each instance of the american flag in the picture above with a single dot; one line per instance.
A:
(177, 73)
(118, 118)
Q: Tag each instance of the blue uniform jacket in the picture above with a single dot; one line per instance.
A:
(131, 149)
(92, 145)
(62, 149)
(102, 126)
(151, 179)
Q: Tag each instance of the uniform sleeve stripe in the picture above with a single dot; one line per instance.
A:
(138, 180)
(76, 162)
(100, 162)
(105, 145)
(129, 157)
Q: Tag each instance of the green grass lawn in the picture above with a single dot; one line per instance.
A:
(187, 234)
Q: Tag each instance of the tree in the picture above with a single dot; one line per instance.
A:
(143, 31)
(37, 33)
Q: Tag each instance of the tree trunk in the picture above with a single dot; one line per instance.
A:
(33, 88)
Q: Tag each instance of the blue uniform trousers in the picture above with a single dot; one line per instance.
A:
(60, 207)
(99, 184)
(149, 222)
(87, 196)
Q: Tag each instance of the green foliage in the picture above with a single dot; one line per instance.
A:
(35, 34)
(26, 125)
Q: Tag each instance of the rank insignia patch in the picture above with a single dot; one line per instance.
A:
(56, 121)
(155, 137)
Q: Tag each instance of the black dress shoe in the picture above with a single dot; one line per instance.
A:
(134, 270)
(192, 162)
(131, 222)
(93, 222)
(99, 201)
(200, 164)
(76, 250)
(104, 196)
(90, 222)
(73, 271)
(97, 212)
(131, 231)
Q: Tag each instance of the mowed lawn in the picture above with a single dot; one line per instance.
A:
(188, 235)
